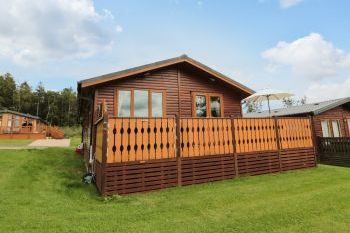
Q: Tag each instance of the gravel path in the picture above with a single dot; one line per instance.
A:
(50, 143)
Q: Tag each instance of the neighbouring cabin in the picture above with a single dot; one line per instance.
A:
(16, 125)
(178, 122)
(331, 126)
(329, 118)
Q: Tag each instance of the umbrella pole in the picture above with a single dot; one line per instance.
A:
(268, 104)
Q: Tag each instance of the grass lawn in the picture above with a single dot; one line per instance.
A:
(40, 191)
(14, 142)
(75, 141)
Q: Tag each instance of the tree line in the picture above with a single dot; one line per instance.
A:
(56, 107)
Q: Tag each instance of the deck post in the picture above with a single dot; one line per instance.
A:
(314, 139)
(104, 151)
(178, 152)
(234, 146)
(278, 142)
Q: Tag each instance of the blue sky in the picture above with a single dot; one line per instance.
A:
(300, 46)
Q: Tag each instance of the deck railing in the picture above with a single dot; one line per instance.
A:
(16, 129)
(142, 139)
(55, 132)
(334, 151)
(143, 154)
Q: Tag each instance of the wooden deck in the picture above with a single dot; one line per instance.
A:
(144, 154)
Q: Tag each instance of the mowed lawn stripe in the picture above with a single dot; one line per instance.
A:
(42, 192)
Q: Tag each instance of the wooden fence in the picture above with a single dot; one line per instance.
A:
(55, 132)
(142, 154)
(334, 151)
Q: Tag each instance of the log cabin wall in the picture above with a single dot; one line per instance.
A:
(340, 113)
(166, 79)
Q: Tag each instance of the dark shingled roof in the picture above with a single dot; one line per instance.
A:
(19, 114)
(313, 108)
(160, 64)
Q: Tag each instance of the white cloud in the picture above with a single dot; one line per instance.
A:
(326, 91)
(310, 57)
(36, 31)
(289, 3)
(119, 28)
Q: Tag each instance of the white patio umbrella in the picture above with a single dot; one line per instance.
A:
(267, 95)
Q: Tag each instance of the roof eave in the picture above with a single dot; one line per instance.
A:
(333, 105)
(114, 76)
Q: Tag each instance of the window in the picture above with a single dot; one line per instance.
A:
(336, 129)
(330, 128)
(207, 105)
(17, 123)
(325, 129)
(140, 103)
(348, 127)
(201, 106)
(215, 107)
(0, 120)
(9, 121)
(157, 104)
(124, 98)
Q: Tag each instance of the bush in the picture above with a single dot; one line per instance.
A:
(70, 132)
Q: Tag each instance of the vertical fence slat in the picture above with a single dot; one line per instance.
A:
(138, 139)
(201, 136)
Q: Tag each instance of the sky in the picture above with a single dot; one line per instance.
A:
(299, 46)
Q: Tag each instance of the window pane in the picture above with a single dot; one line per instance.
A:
(17, 121)
(201, 106)
(140, 103)
(9, 121)
(215, 106)
(336, 129)
(324, 125)
(157, 104)
(124, 103)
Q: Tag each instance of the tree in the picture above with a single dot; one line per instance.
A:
(289, 102)
(57, 107)
(7, 92)
(39, 97)
(303, 100)
(252, 106)
(26, 99)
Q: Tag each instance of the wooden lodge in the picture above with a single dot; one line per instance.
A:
(16, 125)
(330, 118)
(331, 127)
(178, 122)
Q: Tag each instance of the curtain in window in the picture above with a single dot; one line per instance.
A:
(124, 99)
(336, 129)
(325, 129)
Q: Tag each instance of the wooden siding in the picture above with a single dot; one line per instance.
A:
(166, 79)
(194, 81)
(20, 136)
(340, 113)
(132, 177)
